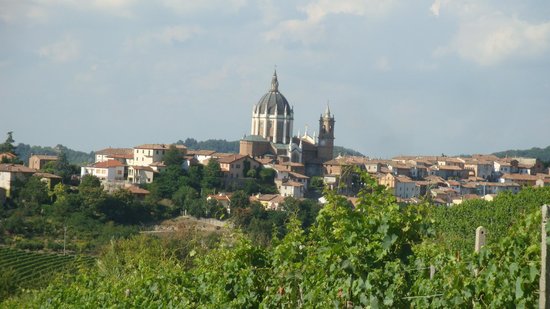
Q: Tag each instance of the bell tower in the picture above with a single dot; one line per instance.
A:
(326, 136)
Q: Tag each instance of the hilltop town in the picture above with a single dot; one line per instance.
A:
(300, 164)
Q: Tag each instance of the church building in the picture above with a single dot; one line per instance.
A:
(271, 134)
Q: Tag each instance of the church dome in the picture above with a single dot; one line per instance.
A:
(273, 102)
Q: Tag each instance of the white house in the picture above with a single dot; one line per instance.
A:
(290, 188)
(107, 171)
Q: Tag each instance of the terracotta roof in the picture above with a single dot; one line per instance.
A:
(8, 155)
(121, 156)
(293, 164)
(16, 168)
(108, 164)
(160, 164)
(402, 178)
(450, 168)
(526, 177)
(221, 196)
(347, 160)
(45, 157)
(159, 146)
(137, 190)
(292, 184)
(144, 168)
(47, 175)
(115, 151)
(201, 152)
(298, 175)
(231, 158)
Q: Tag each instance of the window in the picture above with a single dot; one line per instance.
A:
(238, 166)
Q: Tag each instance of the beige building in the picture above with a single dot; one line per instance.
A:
(120, 154)
(234, 166)
(9, 173)
(146, 154)
(38, 161)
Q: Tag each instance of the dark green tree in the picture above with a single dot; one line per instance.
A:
(239, 199)
(7, 146)
(212, 175)
(35, 192)
(173, 157)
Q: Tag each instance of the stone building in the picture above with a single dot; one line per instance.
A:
(271, 134)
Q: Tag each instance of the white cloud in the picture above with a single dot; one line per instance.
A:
(382, 64)
(63, 51)
(436, 6)
(190, 6)
(310, 29)
(167, 35)
(496, 38)
(487, 36)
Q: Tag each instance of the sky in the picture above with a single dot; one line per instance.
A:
(401, 77)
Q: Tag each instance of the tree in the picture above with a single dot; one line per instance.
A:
(239, 199)
(89, 181)
(267, 175)
(173, 157)
(7, 146)
(35, 192)
(184, 196)
(212, 175)
(62, 167)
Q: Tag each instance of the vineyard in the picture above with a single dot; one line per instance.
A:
(24, 269)
(378, 254)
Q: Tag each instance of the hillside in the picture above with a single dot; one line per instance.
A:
(221, 145)
(24, 151)
(542, 154)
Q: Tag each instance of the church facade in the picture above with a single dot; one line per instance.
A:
(271, 134)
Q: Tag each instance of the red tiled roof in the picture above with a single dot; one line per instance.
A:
(46, 175)
(159, 146)
(45, 157)
(16, 168)
(231, 158)
(137, 190)
(144, 168)
(115, 151)
(108, 164)
(7, 155)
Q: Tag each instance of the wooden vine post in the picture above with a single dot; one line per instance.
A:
(544, 295)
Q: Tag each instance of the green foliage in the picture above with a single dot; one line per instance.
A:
(23, 269)
(35, 192)
(173, 157)
(7, 146)
(219, 145)
(455, 225)
(376, 254)
(339, 150)
(542, 154)
(24, 151)
(212, 176)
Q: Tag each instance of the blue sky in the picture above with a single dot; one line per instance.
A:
(402, 77)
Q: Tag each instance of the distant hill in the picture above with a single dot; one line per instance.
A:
(339, 150)
(24, 151)
(542, 154)
(221, 145)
